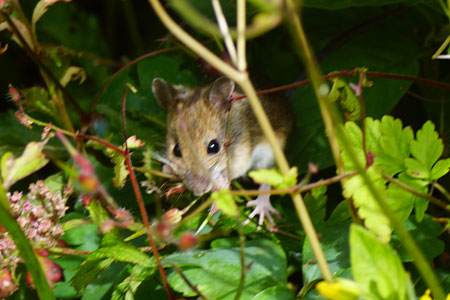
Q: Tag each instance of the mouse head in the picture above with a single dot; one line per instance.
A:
(197, 132)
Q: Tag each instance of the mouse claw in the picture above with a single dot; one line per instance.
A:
(263, 208)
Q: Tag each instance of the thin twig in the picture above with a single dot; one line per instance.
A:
(223, 26)
(414, 192)
(295, 189)
(441, 189)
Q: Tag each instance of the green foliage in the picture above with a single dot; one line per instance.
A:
(392, 148)
(376, 267)
(216, 272)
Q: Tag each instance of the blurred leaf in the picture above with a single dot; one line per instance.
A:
(376, 267)
(31, 160)
(88, 271)
(275, 293)
(216, 272)
(127, 288)
(225, 202)
(274, 178)
(426, 234)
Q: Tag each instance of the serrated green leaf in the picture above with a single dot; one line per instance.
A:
(216, 272)
(394, 145)
(120, 169)
(123, 252)
(376, 267)
(368, 208)
(440, 169)
(351, 104)
(31, 160)
(127, 288)
(274, 178)
(225, 202)
(88, 271)
(354, 136)
(426, 150)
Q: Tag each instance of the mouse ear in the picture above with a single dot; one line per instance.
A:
(221, 92)
(164, 93)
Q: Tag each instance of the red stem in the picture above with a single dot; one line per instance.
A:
(355, 73)
(140, 200)
(99, 140)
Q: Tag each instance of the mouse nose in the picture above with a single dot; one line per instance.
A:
(199, 184)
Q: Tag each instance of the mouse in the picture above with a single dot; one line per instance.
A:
(212, 139)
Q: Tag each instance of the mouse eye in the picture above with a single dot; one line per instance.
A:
(177, 150)
(213, 147)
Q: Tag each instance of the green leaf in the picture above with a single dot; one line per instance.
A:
(426, 150)
(274, 178)
(316, 203)
(440, 169)
(31, 160)
(376, 267)
(426, 234)
(225, 202)
(216, 272)
(120, 169)
(127, 288)
(275, 293)
(125, 253)
(368, 208)
(393, 145)
(88, 271)
(334, 242)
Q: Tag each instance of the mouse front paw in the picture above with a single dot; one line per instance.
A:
(263, 208)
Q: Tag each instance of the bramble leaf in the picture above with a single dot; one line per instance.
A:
(426, 150)
(394, 145)
(376, 267)
(368, 208)
(225, 202)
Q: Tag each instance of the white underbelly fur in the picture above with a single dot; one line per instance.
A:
(262, 157)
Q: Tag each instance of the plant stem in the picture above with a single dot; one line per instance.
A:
(241, 28)
(414, 192)
(441, 189)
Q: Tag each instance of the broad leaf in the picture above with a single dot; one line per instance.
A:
(216, 272)
(376, 267)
